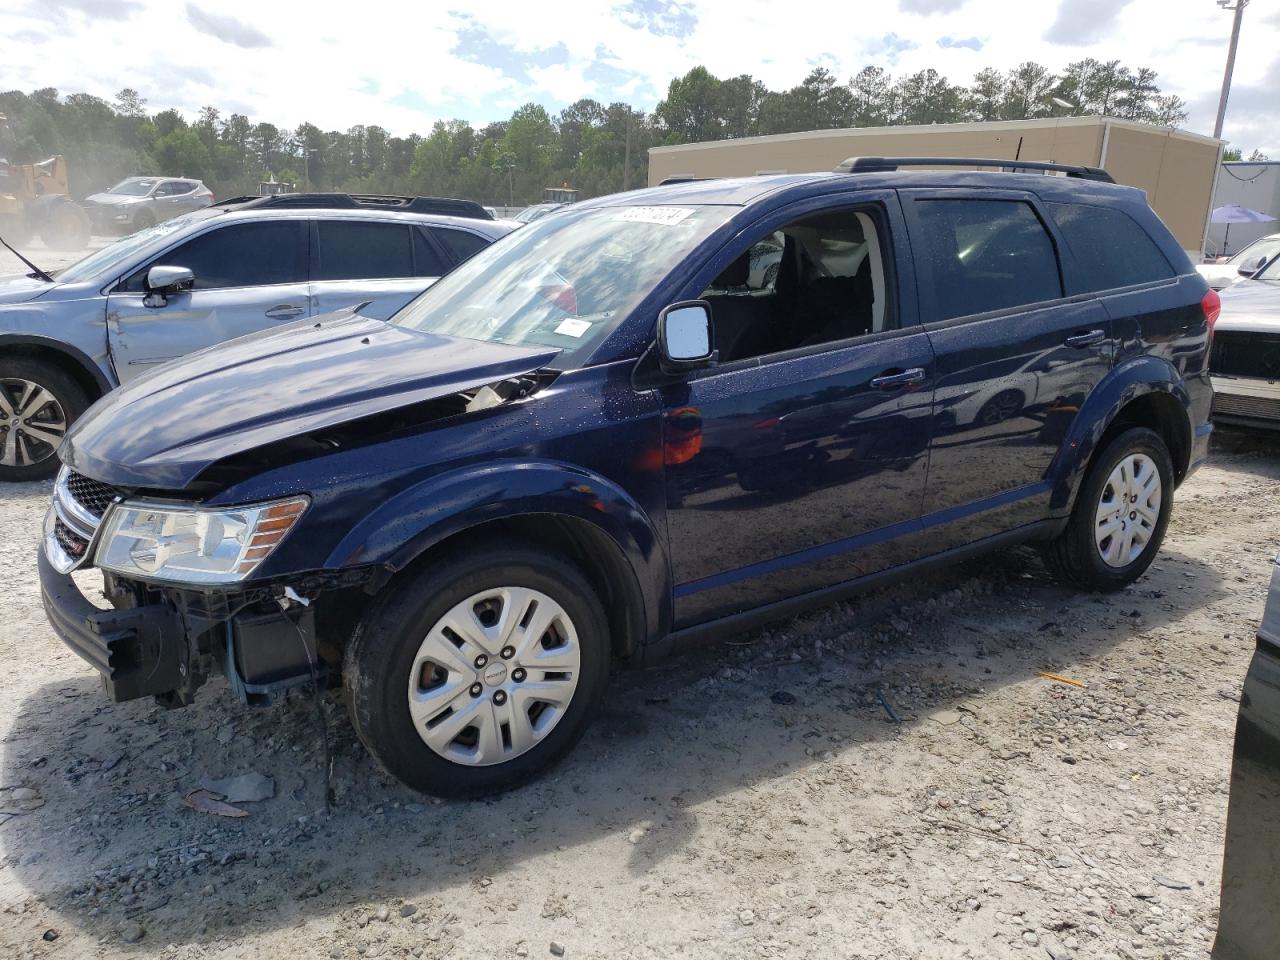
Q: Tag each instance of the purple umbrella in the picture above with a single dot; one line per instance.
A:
(1234, 213)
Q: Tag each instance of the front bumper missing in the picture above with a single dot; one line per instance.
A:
(133, 649)
(168, 646)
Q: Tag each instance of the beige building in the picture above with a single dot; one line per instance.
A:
(1175, 168)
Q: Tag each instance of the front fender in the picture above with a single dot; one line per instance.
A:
(1134, 378)
(401, 529)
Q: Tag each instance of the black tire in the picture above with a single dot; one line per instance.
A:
(68, 394)
(66, 228)
(1074, 556)
(380, 658)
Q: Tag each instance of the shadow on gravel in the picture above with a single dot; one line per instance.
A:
(1252, 451)
(112, 843)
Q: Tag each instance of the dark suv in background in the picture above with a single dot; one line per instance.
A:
(608, 434)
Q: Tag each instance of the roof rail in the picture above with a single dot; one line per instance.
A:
(881, 164)
(363, 201)
(667, 181)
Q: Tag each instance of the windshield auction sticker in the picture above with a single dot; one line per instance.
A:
(665, 216)
(573, 327)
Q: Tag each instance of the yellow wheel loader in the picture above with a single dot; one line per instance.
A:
(34, 199)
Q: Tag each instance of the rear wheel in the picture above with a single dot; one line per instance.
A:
(1120, 516)
(38, 402)
(66, 227)
(473, 675)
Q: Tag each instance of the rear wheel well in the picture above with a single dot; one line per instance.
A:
(595, 553)
(63, 361)
(1162, 413)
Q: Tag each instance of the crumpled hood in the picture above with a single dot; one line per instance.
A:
(163, 429)
(1250, 305)
(112, 199)
(20, 289)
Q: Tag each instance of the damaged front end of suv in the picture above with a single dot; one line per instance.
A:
(198, 580)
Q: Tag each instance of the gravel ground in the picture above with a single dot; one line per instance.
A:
(889, 778)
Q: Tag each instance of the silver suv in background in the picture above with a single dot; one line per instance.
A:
(136, 203)
(202, 278)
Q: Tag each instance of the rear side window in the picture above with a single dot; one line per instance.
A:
(238, 255)
(461, 244)
(1110, 247)
(426, 260)
(986, 255)
(354, 250)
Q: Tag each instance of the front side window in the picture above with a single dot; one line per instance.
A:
(1110, 247)
(1266, 248)
(356, 250)
(1270, 273)
(565, 281)
(985, 255)
(817, 280)
(258, 254)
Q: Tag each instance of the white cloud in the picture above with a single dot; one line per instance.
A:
(322, 58)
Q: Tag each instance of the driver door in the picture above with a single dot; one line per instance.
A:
(248, 277)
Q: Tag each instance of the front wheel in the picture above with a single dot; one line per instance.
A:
(38, 402)
(474, 674)
(1120, 516)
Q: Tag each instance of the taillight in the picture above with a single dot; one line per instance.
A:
(1211, 304)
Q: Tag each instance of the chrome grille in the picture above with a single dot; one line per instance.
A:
(71, 543)
(1239, 405)
(94, 495)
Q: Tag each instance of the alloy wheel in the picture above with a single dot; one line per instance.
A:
(494, 676)
(1128, 510)
(32, 423)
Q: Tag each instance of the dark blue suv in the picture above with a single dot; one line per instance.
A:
(652, 415)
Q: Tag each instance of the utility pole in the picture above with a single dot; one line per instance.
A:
(1238, 7)
(626, 156)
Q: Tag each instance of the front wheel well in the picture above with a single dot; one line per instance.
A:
(73, 367)
(594, 551)
(1163, 413)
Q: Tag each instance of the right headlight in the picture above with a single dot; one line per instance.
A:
(199, 545)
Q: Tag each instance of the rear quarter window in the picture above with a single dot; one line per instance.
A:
(1110, 247)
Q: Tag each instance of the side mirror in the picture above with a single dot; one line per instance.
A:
(163, 281)
(1252, 266)
(686, 339)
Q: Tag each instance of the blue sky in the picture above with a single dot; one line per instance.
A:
(405, 66)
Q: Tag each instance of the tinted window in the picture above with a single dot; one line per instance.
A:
(426, 261)
(239, 255)
(986, 255)
(1110, 247)
(352, 250)
(461, 244)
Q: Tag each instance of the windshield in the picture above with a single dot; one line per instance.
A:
(565, 281)
(536, 212)
(114, 254)
(134, 186)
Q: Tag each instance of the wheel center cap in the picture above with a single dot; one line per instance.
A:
(495, 673)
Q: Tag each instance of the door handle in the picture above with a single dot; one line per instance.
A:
(1090, 339)
(891, 380)
(285, 311)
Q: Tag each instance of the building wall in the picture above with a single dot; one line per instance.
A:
(1252, 185)
(1175, 168)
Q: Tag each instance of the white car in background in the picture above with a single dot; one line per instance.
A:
(1245, 361)
(1239, 266)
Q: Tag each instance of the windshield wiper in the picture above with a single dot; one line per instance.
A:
(36, 271)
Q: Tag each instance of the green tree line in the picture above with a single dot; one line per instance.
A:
(596, 147)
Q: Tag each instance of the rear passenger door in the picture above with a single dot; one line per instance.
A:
(383, 263)
(1016, 357)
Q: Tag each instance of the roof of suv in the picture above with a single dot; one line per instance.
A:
(237, 212)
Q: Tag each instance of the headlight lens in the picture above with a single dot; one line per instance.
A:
(194, 544)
